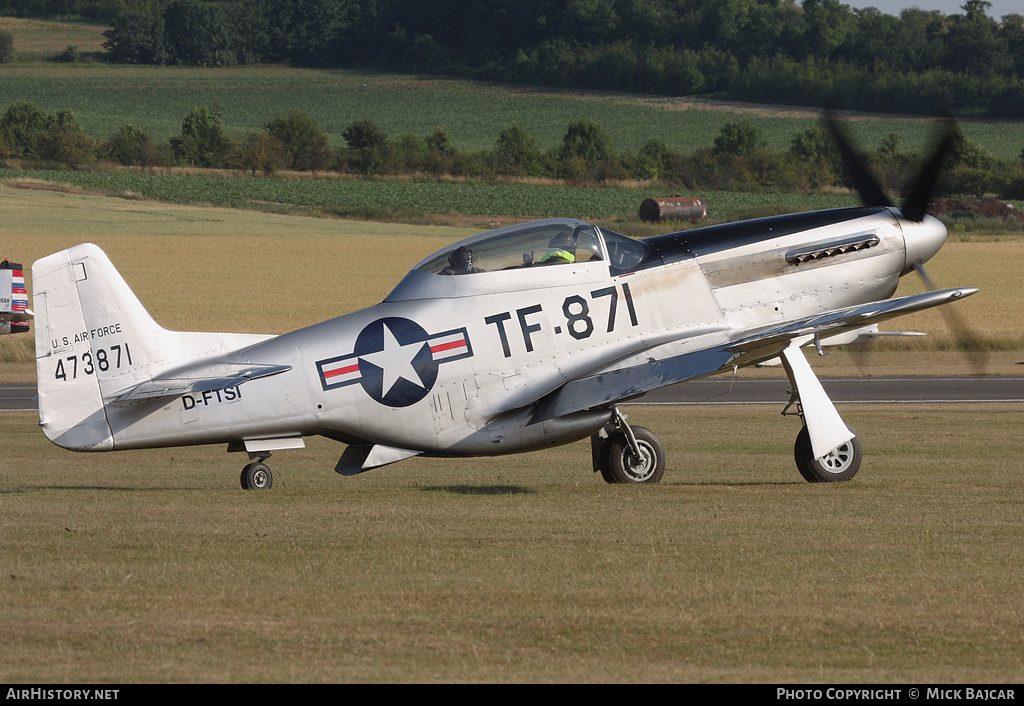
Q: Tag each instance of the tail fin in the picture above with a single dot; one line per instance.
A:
(95, 340)
(92, 336)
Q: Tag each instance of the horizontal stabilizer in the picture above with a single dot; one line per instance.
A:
(206, 378)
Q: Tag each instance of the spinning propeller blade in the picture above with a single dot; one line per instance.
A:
(870, 191)
(964, 335)
(919, 195)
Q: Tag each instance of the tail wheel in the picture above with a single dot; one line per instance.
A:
(842, 463)
(257, 476)
(621, 465)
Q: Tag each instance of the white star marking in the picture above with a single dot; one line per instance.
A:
(396, 361)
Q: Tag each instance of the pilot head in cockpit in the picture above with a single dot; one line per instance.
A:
(562, 248)
(460, 262)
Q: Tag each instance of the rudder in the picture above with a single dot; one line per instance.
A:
(93, 339)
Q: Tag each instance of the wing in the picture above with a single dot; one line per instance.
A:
(199, 378)
(667, 365)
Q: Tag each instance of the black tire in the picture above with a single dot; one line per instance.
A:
(839, 465)
(257, 476)
(620, 466)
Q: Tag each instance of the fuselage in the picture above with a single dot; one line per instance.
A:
(454, 365)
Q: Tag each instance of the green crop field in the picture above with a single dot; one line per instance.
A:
(355, 196)
(157, 99)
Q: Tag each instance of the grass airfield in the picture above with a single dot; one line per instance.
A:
(153, 566)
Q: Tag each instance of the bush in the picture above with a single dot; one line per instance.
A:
(653, 160)
(411, 153)
(65, 143)
(202, 142)
(815, 149)
(6, 47)
(441, 155)
(364, 133)
(22, 128)
(132, 147)
(967, 153)
(303, 140)
(261, 152)
(427, 55)
(740, 138)
(816, 143)
(516, 152)
(369, 149)
(470, 164)
(70, 55)
(438, 141)
(586, 140)
(968, 181)
(1014, 188)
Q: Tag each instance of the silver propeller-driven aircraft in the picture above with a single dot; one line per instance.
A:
(513, 340)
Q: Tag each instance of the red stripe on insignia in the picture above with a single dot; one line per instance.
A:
(461, 343)
(341, 371)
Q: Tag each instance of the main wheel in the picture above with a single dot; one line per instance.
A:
(842, 463)
(620, 465)
(257, 476)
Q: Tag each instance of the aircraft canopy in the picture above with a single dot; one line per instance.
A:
(535, 244)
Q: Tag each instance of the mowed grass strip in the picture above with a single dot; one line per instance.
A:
(153, 566)
(199, 268)
(220, 269)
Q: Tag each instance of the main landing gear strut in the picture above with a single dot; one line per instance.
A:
(257, 475)
(841, 463)
(625, 454)
(826, 448)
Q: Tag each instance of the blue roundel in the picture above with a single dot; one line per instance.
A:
(395, 363)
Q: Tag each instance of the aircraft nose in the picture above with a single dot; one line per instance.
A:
(922, 240)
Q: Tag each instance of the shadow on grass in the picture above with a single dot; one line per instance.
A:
(738, 483)
(480, 489)
(124, 489)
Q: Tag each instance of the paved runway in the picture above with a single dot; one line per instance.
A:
(18, 398)
(892, 390)
(725, 390)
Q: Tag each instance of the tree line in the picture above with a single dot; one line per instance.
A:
(770, 50)
(739, 159)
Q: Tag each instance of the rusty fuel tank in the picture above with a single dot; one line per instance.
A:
(673, 208)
